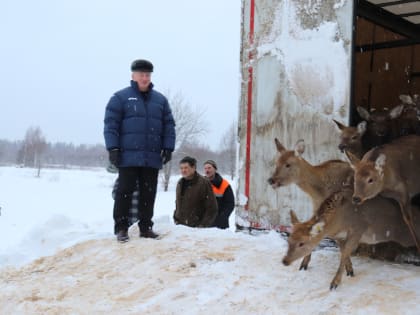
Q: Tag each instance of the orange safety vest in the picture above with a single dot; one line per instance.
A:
(220, 191)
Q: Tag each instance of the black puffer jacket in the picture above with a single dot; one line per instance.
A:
(140, 126)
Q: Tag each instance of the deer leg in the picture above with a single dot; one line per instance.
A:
(346, 248)
(409, 222)
(305, 262)
(408, 219)
(348, 265)
(337, 279)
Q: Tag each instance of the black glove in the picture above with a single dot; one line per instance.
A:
(114, 157)
(166, 156)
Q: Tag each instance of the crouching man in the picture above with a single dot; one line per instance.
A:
(223, 193)
(196, 204)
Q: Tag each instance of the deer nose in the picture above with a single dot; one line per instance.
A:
(285, 262)
(270, 181)
(356, 200)
(341, 147)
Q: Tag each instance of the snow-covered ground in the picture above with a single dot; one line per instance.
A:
(58, 256)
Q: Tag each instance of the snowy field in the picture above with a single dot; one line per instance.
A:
(58, 256)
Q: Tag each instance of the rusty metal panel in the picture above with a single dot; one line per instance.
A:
(296, 69)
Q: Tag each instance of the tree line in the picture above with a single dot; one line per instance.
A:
(36, 152)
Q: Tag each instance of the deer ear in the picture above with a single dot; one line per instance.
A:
(361, 128)
(293, 217)
(317, 228)
(380, 163)
(339, 124)
(279, 146)
(299, 147)
(396, 111)
(352, 158)
(363, 113)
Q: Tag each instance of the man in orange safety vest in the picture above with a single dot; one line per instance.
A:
(223, 192)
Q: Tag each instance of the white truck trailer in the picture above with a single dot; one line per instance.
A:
(304, 63)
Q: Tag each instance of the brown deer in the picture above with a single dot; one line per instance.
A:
(317, 181)
(375, 221)
(393, 171)
(351, 138)
(380, 125)
(378, 128)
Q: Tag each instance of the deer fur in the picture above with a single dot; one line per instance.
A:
(393, 171)
(317, 181)
(375, 221)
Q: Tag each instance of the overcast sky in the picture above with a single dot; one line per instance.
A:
(60, 61)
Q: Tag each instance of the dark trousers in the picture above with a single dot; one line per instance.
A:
(147, 178)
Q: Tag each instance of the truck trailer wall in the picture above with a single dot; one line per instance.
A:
(296, 69)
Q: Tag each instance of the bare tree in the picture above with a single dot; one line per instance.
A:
(34, 145)
(228, 146)
(190, 125)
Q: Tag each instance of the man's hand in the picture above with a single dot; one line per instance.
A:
(166, 156)
(114, 157)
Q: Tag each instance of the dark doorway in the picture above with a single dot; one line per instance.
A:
(386, 60)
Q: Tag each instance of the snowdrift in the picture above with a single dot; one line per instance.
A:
(198, 271)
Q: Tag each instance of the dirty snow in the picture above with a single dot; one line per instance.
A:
(315, 61)
(58, 256)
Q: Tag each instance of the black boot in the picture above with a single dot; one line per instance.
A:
(148, 234)
(122, 236)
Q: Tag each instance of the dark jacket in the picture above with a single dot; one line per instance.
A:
(140, 125)
(196, 205)
(225, 200)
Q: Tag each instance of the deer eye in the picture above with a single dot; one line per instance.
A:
(370, 180)
(287, 165)
(354, 138)
(301, 244)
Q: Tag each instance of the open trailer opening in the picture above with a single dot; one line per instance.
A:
(386, 61)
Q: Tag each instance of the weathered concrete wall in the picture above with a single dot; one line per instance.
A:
(301, 61)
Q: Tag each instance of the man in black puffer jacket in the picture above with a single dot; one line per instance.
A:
(139, 132)
(223, 193)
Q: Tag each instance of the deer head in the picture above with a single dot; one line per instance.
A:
(301, 241)
(286, 171)
(368, 175)
(351, 137)
(379, 121)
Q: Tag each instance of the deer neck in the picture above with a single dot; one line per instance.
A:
(357, 150)
(311, 181)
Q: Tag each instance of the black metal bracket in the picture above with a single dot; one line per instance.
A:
(386, 19)
(386, 45)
